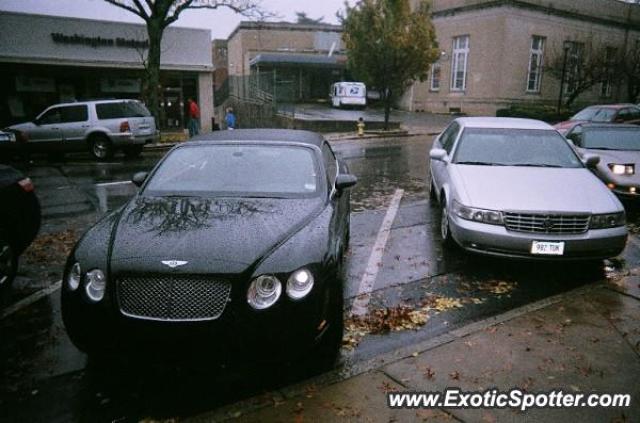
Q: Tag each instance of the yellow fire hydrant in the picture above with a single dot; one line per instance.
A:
(360, 126)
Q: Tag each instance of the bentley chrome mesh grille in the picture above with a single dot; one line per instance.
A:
(173, 297)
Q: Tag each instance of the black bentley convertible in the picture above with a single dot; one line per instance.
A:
(234, 240)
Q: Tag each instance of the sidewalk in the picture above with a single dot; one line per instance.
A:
(583, 341)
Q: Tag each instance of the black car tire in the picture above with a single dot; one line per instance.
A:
(8, 265)
(432, 195)
(328, 348)
(77, 331)
(100, 147)
(133, 151)
(445, 229)
(82, 342)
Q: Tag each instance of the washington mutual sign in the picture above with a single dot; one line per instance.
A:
(99, 41)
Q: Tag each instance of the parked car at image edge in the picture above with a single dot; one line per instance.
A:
(618, 147)
(235, 240)
(19, 221)
(100, 127)
(605, 113)
(516, 188)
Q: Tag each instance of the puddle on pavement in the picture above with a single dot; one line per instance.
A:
(382, 170)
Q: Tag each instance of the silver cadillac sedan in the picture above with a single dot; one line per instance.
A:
(516, 188)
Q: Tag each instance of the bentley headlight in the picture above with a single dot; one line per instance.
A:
(263, 292)
(95, 285)
(299, 284)
(477, 215)
(610, 220)
(74, 277)
(622, 169)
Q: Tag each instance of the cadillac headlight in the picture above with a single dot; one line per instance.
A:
(74, 277)
(610, 220)
(95, 286)
(491, 217)
(264, 291)
(299, 284)
(622, 169)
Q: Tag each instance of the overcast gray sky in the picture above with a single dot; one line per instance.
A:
(221, 22)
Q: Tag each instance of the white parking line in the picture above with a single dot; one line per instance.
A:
(116, 183)
(30, 300)
(363, 296)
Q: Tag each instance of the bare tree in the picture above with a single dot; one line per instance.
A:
(581, 66)
(302, 18)
(629, 66)
(158, 15)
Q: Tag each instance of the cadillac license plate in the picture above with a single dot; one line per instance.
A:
(547, 248)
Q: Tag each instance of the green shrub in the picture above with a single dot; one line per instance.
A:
(542, 112)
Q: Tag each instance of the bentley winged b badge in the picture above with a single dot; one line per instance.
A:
(174, 263)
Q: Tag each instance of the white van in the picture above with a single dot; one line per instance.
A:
(352, 94)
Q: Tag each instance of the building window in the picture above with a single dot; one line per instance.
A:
(610, 63)
(435, 77)
(536, 53)
(575, 59)
(459, 65)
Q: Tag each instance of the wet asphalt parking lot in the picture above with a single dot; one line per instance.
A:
(44, 378)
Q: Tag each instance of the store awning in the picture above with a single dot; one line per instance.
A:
(307, 60)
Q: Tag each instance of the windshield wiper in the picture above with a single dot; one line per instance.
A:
(535, 165)
(481, 163)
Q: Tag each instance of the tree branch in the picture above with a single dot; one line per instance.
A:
(244, 7)
(142, 9)
(131, 9)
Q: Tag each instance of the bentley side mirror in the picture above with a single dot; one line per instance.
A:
(438, 154)
(591, 160)
(345, 180)
(139, 178)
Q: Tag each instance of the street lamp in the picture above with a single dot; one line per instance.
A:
(566, 47)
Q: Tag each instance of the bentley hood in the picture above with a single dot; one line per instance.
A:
(224, 235)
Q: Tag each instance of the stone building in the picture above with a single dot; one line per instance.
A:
(493, 52)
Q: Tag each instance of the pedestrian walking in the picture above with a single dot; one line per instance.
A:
(230, 119)
(194, 117)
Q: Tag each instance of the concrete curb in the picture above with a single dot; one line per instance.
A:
(254, 404)
(346, 136)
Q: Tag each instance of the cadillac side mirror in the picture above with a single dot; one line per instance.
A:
(438, 154)
(139, 178)
(345, 180)
(591, 160)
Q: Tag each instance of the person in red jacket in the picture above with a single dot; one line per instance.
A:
(194, 117)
